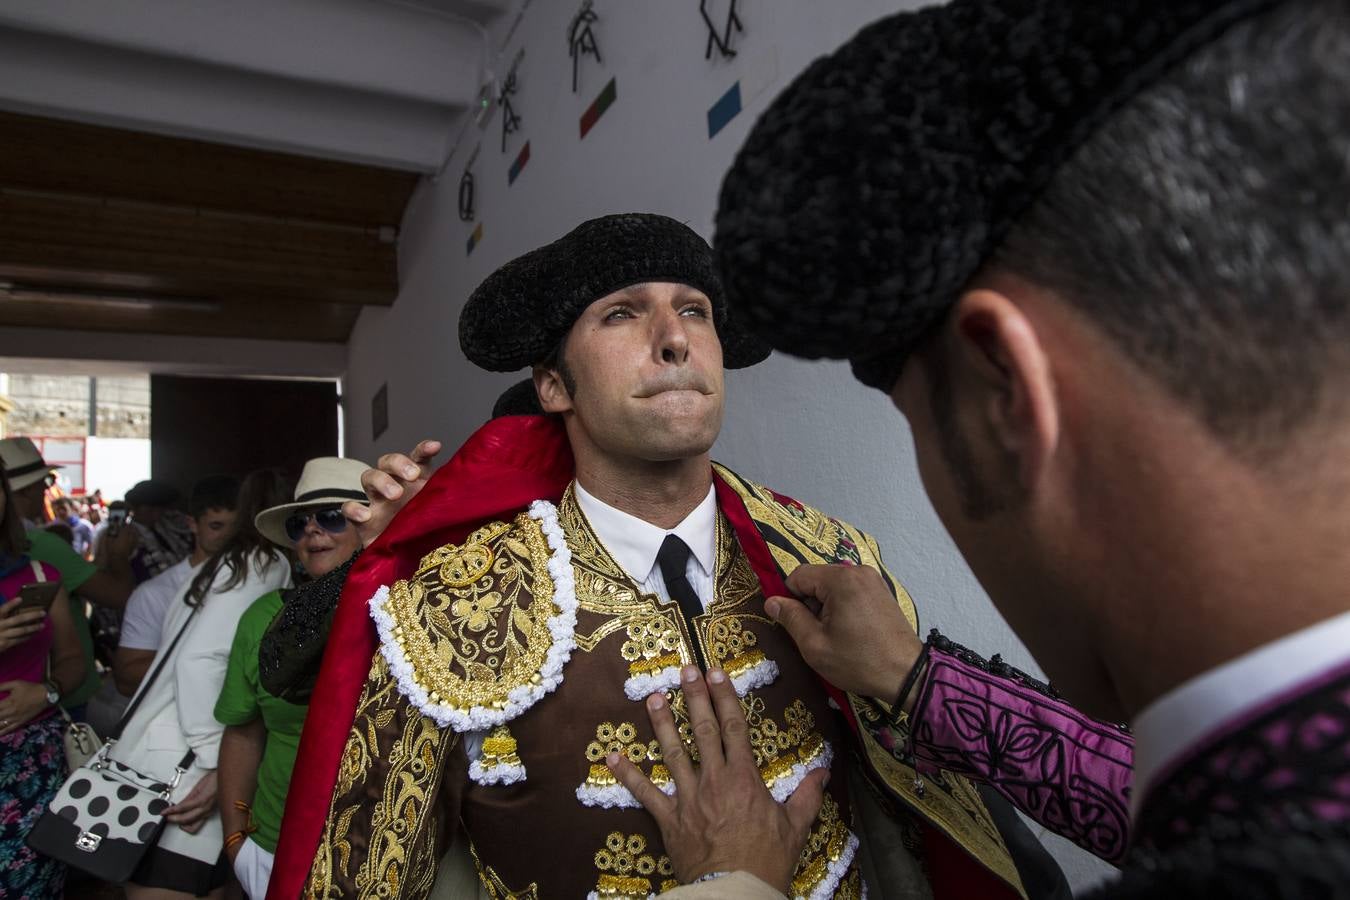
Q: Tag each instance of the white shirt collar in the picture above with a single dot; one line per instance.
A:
(634, 543)
(1200, 709)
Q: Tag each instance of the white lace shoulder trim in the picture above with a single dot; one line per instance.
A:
(562, 628)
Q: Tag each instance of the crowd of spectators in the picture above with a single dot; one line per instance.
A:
(153, 635)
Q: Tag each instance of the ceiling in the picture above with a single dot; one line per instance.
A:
(221, 169)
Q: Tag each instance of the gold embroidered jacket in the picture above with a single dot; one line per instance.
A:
(511, 664)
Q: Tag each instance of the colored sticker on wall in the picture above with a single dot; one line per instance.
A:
(759, 72)
(521, 159)
(597, 109)
(475, 238)
(724, 110)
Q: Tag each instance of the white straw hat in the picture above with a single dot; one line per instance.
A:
(326, 481)
(24, 465)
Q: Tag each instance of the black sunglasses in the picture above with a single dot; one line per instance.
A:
(330, 519)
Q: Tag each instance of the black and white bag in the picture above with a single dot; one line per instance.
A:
(107, 815)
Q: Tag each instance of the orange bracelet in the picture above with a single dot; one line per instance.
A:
(239, 837)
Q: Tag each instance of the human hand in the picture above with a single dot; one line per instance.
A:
(859, 640)
(18, 626)
(191, 813)
(722, 817)
(120, 546)
(26, 699)
(394, 481)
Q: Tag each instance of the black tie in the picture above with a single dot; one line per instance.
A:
(673, 558)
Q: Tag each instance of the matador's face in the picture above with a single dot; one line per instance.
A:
(644, 367)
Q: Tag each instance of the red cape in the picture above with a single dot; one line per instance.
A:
(502, 468)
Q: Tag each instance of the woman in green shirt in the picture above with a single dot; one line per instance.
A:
(262, 731)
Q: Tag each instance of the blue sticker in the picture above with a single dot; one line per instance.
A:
(724, 110)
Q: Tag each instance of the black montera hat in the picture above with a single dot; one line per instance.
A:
(877, 183)
(520, 313)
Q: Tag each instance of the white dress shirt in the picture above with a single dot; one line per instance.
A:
(1189, 716)
(634, 543)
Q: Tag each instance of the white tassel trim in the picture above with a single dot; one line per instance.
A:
(610, 796)
(826, 887)
(501, 773)
(615, 796)
(783, 787)
(561, 626)
(761, 674)
(640, 687)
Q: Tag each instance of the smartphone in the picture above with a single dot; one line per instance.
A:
(38, 595)
(117, 517)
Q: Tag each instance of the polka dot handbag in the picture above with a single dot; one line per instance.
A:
(107, 815)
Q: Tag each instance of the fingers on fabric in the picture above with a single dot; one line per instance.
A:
(673, 751)
(802, 625)
(804, 804)
(702, 720)
(640, 786)
(735, 733)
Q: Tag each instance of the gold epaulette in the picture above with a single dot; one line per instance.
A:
(482, 630)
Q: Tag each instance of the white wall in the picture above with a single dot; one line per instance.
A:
(114, 465)
(807, 429)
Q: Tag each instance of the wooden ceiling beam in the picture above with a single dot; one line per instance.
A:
(43, 154)
(57, 241)
(327, 323)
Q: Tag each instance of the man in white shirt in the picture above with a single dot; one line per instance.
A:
(1116, 322)
(212, 511)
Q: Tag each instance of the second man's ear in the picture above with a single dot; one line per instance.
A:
(1007, 374)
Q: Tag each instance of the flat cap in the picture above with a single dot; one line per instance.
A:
(877, 183)
(520, 313)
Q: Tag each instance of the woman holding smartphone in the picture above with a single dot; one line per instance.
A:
(35, 624)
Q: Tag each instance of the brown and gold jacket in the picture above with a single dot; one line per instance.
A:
(511, 664)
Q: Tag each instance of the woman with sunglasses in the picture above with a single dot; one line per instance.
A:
(262, 731)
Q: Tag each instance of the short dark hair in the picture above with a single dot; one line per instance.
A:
(557, 361)
(1204, 227)
(214, 492)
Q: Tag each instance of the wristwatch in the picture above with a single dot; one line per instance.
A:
(53, 692)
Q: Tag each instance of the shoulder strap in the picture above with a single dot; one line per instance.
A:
(37, 570)
(116, 733)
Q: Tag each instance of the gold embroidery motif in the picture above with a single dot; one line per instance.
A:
(627, 871)
(621, 739)
(652, 645)
(827, 844)
(499, 749)
(493, 884)
(400, 827)
(473, 622)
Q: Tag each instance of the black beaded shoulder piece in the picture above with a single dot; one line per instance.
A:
(292, 647)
